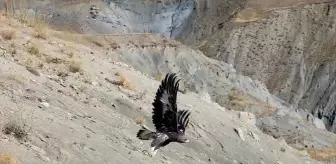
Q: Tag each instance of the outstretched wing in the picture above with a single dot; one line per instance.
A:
(165, 109)
(183, 120)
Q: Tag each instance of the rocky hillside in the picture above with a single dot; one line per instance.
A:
(291, 51)
(65, 102)
(93, 89)
(285, 44)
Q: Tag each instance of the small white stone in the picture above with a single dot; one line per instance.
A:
(45, 104)
(94, 83)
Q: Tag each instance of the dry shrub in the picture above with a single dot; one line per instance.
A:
(8, 34)
(34, 50)
(40, 34)
(249, 15)
(139, 120)
(71, 54)
(124, 82)
(323, 154)
(54, 60)
(238, 101)
(7, 158)
(40, 27)
(32, 64)
(12, 128)
(241, 101)
(71, 37)
(266, 112)
(75, 66)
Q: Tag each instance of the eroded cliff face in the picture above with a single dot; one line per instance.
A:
(187, 20)
(291, 51)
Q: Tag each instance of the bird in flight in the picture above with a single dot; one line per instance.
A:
(170, 123)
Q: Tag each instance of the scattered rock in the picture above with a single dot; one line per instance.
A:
(44, 105)
(282, 149)
(74, 86)
(94, 83)
(63, 84)
(318, 123)
(247, 117)
(254, 136)
(239, 131)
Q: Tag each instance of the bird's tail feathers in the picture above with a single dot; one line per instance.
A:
(145, 134)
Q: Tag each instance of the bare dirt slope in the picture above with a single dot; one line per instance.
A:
(287, 45)
(68, 97)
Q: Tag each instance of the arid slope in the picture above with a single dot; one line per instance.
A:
(79, 104)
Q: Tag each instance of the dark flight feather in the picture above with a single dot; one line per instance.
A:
(183, 120)
(165, 115)
(170, 123)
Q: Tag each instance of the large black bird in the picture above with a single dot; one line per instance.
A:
(170, 123)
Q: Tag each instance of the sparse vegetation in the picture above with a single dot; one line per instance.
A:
(23, 14)
(240, 101)
(19, 132)
(139, 120)
(40, 27)
(75, 66)
(61, 65)
(34, 50)
(325, 54)
(41, 34)
(327, 154)
(248, 15)
(54, 60)
(323, 154)
(7, 158)
(71, 54)
(124, 82)
(8, 34)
